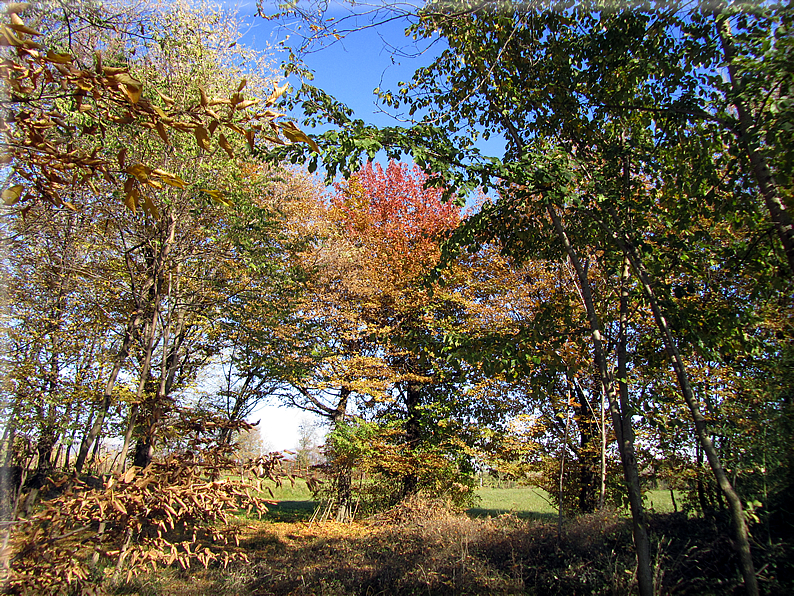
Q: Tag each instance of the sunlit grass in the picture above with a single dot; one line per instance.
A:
(523, 501)
(531, 501)
(290, 492)
(296, 502)
(660, 501)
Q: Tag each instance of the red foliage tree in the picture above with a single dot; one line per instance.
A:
(393, 215)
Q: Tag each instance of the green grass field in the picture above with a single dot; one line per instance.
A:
(660, 501)
(523, 502)
(295, 502)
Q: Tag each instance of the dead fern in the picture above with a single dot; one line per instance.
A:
(176, 511)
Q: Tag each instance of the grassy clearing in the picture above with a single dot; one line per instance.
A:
(296, 503)
(420, 547)
(292, 492)
(659, 501)
(524, 502)
(531, 502)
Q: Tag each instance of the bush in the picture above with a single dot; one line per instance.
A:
(370, 461)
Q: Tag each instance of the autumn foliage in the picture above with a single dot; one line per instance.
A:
(394, 217)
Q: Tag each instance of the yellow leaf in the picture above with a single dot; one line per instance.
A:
(59, 58)
(129, 475)
(202, 138)
(131, 195)
(183, 126)
(168, 100)
(12, 39)
(15, 7)
(247, 104)
(277, 92)
(217, 196)
(140, 171)
(234, 127)
(163, 116)
(224, 143)
(169, 178)
(132, 94)
(203, 97)
(11, 195)
(296, 135)
(84, 84)
(241, 85)
(161, 131)
(118, 507)
(17, 25)
(111, 71)
(150, 207)
(124, 78)
(155, 183)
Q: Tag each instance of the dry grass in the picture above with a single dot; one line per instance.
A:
(423, 547)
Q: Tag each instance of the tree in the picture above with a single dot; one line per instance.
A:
(55, 95)
(621, 129)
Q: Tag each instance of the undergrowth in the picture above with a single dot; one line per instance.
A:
(424, 547)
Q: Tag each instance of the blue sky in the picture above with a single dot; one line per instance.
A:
(351, 68)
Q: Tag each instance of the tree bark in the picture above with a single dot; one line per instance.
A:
(778, 212)
(107, 395)
(622, 424)
(149, 335)
(588, 455)
(741, 532)
(413, 434)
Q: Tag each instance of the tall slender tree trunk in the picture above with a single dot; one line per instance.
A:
(602, 497)
(153, 295)
(588, 453)
(413, 434)
(107, 395)
(344, 471)
(149, 336)
(741, 532)
(751, 145)
(563, 452)
(623, 425)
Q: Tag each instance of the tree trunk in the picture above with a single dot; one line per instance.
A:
(343, 467)
(149, 335)
(623, 426)
(588, 452)
(413, 435)
(750, 144)
(626, 442)
(560, 492)
(44, 448)
(734, 502)
(107, 396)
